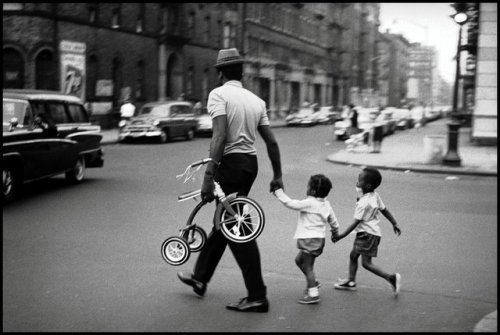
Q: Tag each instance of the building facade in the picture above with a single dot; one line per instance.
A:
(422, 65)
(484, 70)
(394, 69)
(325, 53)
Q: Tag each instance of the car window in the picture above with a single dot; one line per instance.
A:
(57, 112)
(17, 109)
(183, 110)
(77, 113)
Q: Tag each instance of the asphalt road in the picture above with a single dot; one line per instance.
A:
(87, 257)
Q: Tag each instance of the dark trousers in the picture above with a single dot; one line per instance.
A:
(236, 173)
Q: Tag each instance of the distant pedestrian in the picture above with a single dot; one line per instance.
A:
(368, 233)
(315, 213)
(127, 110)
(353, 115)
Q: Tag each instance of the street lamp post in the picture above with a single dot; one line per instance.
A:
(452, 158)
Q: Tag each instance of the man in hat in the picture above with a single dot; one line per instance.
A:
(237, 116)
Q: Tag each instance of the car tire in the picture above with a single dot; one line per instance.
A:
(163, 136)
(10, 184)
(77, 173)
(190, 134)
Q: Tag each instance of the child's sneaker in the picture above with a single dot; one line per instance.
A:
(307, 299)
(318, 285)
(346, 284)
(396, 283)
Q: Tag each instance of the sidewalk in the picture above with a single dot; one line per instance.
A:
(404, 151)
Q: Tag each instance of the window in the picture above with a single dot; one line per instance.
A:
(207, 29)
(45, 71)
(92, 74)
(115, 20)
(190, 81)
(92, 13)
(139, 26)
(13, 69)
(139, 91)
(77, 113)
(57, 112)
(228, 35)
(13, 6)
(191, 24)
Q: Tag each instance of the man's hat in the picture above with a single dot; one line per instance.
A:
(228, 57)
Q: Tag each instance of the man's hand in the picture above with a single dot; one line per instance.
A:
(207, 188)
(397, 230)
(276, 184)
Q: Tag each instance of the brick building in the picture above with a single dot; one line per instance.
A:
(154, 51)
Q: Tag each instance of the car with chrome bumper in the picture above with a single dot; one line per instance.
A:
(304, 117)
(160, 120)
(46, 133)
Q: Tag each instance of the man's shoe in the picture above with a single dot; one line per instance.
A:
(348, 285)
(198, 287)
(259, 306)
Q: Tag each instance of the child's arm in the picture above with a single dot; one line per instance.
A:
(348, 230)
(290, 203)
(391, 218)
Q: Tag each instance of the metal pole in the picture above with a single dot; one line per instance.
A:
(452, 158)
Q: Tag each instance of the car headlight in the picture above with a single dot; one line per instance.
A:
(156, 123)
(122, 123)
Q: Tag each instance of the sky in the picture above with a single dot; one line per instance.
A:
(413, 20)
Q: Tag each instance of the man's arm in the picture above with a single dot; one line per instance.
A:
(217, 144)
(273, 151)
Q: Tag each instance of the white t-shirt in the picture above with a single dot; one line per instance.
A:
(314, 214)
(367, 209)
(245, 112)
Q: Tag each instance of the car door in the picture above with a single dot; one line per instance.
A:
(65, 149)
(25, 142)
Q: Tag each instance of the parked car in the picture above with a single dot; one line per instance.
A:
(432, 114)
(46, 133)
(326, 115)
(304, 117)
(402, 116)
(204, 122)
(162, 120)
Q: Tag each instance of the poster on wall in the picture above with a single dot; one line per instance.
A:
(72, 55)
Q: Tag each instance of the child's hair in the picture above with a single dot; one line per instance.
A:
(320, 184)
(373, 177)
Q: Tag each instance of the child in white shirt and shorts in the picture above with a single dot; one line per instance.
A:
(315, 212)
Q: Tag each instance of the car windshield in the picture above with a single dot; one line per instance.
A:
(154, 111)
(17, 109)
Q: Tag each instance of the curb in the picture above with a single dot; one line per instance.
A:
(488, 324)
(421, 170)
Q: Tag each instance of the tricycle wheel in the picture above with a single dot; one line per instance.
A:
(248, 223)
(196, 238)
(175, 250)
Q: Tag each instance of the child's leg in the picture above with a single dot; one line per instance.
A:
(367, 264)
(305, 262)
(353, 265)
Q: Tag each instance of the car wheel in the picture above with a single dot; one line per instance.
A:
(163, 136)
(9, 185)
(76, 174)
